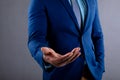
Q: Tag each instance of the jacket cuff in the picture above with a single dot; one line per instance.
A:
(47, 66)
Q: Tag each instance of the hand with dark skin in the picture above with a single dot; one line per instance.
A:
(58, 60)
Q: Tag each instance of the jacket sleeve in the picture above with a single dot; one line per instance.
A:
(37, 31)
(98, 41)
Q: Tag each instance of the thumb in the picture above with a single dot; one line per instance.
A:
(45, 50)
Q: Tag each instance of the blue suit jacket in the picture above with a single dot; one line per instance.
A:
(52, 23)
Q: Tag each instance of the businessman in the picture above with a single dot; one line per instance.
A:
(66, 39)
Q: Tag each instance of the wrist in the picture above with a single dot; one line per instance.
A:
(47, 66)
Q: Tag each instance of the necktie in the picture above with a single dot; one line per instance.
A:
(76, 10)
(83, 9)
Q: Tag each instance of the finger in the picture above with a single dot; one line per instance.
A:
(68, 57)
(54, 53)
(76, 54)
(45, 50)
(57, 60)
(75, 51)
(63, 58)
(73, 58)
(66, 62)
(51, 50)
(78, 49)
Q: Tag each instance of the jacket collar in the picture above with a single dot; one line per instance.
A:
(68, 8)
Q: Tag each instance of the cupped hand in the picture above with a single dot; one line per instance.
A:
(58, 60)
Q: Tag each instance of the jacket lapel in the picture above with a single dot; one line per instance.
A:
(70, 11)
(72, 15)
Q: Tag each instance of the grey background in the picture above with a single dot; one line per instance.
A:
(16, 62)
